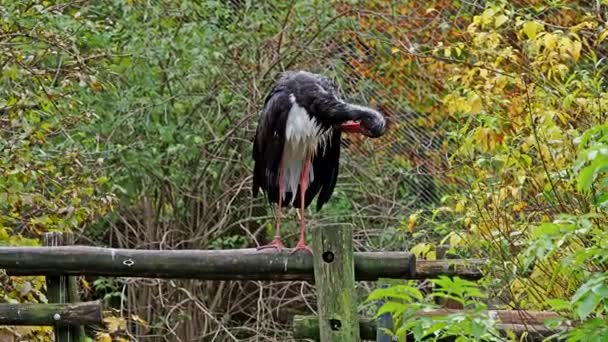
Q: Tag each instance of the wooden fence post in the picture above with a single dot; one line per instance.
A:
(335, 282)
(63, 289)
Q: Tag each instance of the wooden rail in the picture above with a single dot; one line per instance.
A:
(333, 267)
(307, 327)
(237, 264)
(463, 268)
(72, 314)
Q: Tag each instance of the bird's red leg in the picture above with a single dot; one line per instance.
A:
(277, 242)
(303, 187)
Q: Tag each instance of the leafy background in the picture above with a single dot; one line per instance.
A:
(130, 123)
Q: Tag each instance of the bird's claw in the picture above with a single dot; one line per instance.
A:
(276, 243)
(301, 245)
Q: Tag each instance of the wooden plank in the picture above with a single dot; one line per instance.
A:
(70, 314)
(529, 317)
(335, 283)
(236, 264)
(463, 268)
(307, 327)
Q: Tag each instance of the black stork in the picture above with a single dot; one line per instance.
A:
(297, 143)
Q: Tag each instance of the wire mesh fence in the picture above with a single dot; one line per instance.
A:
(189, 79)
(376, 53)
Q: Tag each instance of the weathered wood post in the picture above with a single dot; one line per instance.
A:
(62, 289)
(335, 282)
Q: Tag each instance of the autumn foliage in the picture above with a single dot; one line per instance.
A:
(129, 122)
(518, 92)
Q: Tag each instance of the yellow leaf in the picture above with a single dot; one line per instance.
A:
(483, 73)
(455, 240)
(139, 320)
(420, 249)
(566, 45)
(103, 337)
(499, 20)
(514, 192)
(394, 50)
(486, 16)
(114, 324)
(602, 36)
(584, 25)
(576, 50)
(519, 206)
(550, 41)
(521, 179)
(411, 222)
(467, 221)
(96, 85)
(22, 331)
(459, 207)
(517, 287)
(531, 29)
(474, 228)
(475, 103)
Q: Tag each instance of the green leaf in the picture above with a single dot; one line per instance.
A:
(558, 304)
(586, 306)
(393, 308)
(405, 292)
(588, 174)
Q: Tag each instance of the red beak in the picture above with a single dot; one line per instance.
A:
(351, 127)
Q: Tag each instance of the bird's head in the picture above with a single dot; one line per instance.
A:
(321, 96)
(364, 120)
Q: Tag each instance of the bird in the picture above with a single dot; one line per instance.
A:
(296, 149)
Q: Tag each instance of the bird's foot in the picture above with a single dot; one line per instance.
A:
(276, 243)
(301, 245)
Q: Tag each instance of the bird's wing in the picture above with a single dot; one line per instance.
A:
(325, 167)
(269, 142)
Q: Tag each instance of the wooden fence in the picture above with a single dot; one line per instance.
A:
(333, 267)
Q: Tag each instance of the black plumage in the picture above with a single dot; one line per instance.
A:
(304, 113)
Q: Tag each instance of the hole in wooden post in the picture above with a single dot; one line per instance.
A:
(335, 324)
(328, 256)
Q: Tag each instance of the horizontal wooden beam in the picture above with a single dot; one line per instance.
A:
(529, 317)
(84, 313)
(307, 327)
(236, 264)
(463, 268)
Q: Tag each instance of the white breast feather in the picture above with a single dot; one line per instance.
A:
(302, 137)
